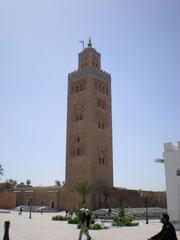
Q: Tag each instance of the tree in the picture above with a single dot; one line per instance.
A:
(57, 183)
(28, 182)
(83, 188)
(13, 182)
(8, 186)
(1, 170)
(159, 160)
(21, 183)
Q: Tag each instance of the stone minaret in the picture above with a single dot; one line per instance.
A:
(89, 123)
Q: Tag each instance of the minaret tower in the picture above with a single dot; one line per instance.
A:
(89, 123)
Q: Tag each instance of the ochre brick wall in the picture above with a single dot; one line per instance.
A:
(7, 200)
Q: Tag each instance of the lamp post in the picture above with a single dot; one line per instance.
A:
(41, 202)
(146, 205)
(30, 208)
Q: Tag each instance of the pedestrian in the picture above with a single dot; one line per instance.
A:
(167, 232)
(82, 222)
(6, 230)
(87, 224)
(109, 211)
(20, 210)
(66, 211)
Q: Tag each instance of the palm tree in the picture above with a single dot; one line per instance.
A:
(57, 183)
(1, 170)
(13, 182)
(28, 182)
(83, 188)
(159, 160)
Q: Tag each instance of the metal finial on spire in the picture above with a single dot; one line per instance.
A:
(89, 43)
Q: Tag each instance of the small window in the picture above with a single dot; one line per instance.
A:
(99, 102)
(78, 151)
(99, 160)
(78, 139)
(178, 172)
(103, 161)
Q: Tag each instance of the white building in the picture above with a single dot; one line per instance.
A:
(172, 171)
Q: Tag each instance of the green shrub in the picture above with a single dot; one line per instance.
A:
(123, 218)
(59, 218)
(74, 220)
(95, 226)
(92, 220)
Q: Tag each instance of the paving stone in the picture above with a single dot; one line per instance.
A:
(42, 227)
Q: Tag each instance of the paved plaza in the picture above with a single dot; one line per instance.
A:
(42, 227)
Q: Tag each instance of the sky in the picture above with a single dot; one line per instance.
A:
(139, 42)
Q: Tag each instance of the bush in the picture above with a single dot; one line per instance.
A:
(95, 226)
(122, 218)
(74, 220)
(92, 220)
(59, 218)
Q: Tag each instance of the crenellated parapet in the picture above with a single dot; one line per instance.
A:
(76, 75)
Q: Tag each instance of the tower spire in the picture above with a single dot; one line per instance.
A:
(89, 43)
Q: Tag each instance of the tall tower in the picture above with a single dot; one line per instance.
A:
(89, 123)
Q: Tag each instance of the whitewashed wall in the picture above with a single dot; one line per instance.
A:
(172, 172)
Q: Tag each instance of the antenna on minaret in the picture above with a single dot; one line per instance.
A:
(82, 44)
(89, 43)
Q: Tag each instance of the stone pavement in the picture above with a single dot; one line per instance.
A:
(42, 227)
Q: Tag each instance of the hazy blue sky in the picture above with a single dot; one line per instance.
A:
(139, 41)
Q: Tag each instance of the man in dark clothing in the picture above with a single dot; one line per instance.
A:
(82, 222)
(168, 231)
(109, 211)
(20, 211)
(88, 221)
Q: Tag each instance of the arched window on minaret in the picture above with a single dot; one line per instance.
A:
(77, 147)
(78, 112)
(101, 123)
(102, 158)
(101, 103)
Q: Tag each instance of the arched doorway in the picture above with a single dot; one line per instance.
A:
(52, 204)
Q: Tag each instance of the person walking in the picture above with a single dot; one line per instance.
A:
(167, 232)
(20, 211)
(66, 211)
(109, 211)
(87, 224)
(82, 222)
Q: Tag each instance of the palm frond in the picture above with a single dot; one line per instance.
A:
(159, 160)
